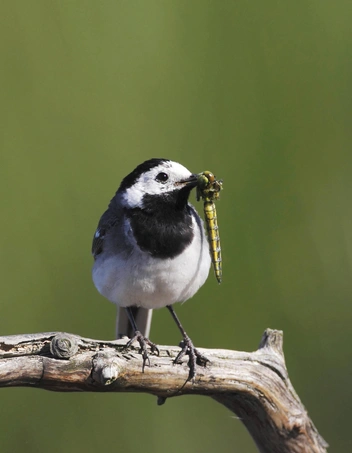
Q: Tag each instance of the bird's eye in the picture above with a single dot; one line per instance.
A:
(162, 177)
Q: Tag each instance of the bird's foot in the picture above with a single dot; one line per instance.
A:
(195, 357)
(143, 343)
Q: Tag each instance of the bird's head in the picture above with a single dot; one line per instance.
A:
(157, 180)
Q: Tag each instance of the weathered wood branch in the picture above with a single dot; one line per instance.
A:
(255, 386)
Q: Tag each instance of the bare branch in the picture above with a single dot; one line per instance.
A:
(255, 386)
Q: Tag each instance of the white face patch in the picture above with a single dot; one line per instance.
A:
(147, 183)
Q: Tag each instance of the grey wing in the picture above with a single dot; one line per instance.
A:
(108, 220)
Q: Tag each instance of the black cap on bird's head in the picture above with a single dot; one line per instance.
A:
(131, 178)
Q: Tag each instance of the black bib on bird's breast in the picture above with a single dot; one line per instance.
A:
(163, 227)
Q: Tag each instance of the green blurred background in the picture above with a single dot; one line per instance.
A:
(258, 92)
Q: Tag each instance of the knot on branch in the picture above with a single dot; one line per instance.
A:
(64, 346)
(105, 368)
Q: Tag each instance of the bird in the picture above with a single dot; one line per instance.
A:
(150, 251)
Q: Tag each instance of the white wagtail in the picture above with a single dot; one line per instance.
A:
(151, 251)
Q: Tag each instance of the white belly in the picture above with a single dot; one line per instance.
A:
(149, 282)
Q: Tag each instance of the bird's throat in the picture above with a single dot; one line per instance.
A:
(163, 227)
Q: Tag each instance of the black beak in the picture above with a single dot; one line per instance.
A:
(190, 182)
(186, 185)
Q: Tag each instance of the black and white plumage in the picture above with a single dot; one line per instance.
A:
(150, 249)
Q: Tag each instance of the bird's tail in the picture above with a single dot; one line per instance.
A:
(142, 316)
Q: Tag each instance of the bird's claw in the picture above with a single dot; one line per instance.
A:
(144, 342)
(195, 357)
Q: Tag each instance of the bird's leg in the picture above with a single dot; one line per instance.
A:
(195, 357)
(142, 340)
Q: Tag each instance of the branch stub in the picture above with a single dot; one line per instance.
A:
(105, 369)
